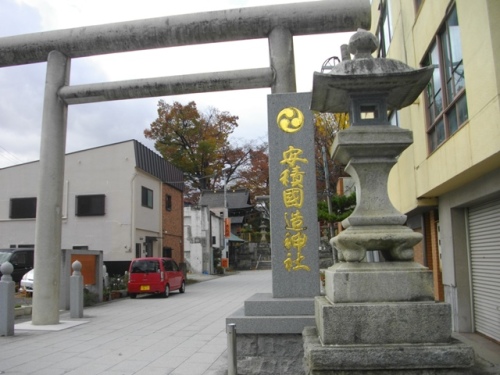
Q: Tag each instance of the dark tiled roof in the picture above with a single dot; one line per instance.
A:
(239, 198)
(155, 165)
(237, 219)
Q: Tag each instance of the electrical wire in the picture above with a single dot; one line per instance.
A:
(9, 156)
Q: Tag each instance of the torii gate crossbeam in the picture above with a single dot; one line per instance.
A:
(318, 17)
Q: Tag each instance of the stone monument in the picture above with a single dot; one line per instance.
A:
(376, 318)
(269, 325)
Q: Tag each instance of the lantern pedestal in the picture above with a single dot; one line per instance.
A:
(379, 317)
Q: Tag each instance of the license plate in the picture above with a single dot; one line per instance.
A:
(144, 287)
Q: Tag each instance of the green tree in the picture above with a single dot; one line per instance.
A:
(342, 207)
(327, 125)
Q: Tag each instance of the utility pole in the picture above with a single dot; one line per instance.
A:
(328, 198)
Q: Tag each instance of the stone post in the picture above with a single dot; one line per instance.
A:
(50, 194)
(7, 291)
(76, 291)
(270, 324)
(294, 217)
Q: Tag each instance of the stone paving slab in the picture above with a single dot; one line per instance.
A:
(184, 334)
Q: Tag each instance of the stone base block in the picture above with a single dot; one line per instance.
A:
(376, 323)
(378, 282)
(264, 354)
(284, 324)
(453, 357)
(263, 304)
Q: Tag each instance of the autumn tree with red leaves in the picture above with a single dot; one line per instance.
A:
(192, 141)
(198, 144)
(254, 175)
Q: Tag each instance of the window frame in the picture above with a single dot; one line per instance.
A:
(445, 114)
(19, 208)
(147, 197)
(90, 205)
(385, 30)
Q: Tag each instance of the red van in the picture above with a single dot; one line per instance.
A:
(155, 276)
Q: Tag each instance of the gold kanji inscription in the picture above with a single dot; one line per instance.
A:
(292, 156)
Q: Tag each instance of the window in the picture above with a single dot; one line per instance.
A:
(145, 266)
(147, 197)
(90, 205)
(170, 265)
(80, 247)
(167, 252)
(19, 259)
(22, 208)
(168, 202)
(445, 94)
(385, 28)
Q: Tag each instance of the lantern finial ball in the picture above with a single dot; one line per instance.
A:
(362, 44)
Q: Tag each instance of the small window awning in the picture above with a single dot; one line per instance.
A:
(234, 238)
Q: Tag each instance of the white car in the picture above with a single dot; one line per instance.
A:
(27, 281)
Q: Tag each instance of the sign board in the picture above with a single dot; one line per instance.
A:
(227, 227)
(88, 267)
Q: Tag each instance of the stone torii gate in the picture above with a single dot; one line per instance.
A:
(277, 23)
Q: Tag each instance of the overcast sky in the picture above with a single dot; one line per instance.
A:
(98, 124)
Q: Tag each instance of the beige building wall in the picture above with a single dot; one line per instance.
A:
(439, 190)
(475, 148)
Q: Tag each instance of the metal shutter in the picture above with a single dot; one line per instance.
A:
(484, 237)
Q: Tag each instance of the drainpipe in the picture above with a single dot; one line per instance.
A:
(132, 214)
(209, 242)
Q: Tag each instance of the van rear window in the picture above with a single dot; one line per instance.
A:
(145, 266)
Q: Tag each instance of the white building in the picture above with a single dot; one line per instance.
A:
(113, 201)
(203, 238)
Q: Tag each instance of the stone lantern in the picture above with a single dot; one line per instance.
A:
(376, 316)
(367, 88)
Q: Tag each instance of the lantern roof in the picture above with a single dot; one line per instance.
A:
(365, 75)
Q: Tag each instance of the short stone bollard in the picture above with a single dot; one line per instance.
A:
(7, 303)
(231, 349)
(76, 291)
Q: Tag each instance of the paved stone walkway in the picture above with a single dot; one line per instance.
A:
(182, 335)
